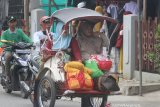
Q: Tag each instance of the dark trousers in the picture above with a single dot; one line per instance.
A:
(8, 56)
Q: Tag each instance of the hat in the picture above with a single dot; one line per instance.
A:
(99, 9)
(81, 4)
(44, 18)
(11, 18)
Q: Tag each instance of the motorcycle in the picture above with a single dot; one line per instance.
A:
(22, 70)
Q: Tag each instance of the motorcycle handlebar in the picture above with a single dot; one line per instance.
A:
(17, 45)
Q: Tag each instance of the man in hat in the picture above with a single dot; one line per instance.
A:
(40, 36)
(15, 35)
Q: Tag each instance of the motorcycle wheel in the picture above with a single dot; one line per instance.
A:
(45, 93)
(24, 94)
(3, 68)
(7, 90)
(94, 101)
(2, 78)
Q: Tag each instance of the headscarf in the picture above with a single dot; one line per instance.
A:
(88, 44)
(59, 27)
(60, 41)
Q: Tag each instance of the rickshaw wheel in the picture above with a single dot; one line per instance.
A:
(45, 93)
(88, 101)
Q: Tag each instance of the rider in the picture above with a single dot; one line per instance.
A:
(15, 35)
(39, 36)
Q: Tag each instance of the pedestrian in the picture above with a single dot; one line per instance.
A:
(131, 6)
(113, 9)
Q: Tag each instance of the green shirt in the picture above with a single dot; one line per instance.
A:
(17, 36)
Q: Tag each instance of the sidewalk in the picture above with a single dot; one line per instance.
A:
(148, 97)
(152, 96)
(131, 87)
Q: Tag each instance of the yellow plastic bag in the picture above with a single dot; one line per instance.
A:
(77, 76)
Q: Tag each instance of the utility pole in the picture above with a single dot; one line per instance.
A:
(26, 14)
(144, 9)
(140, 46)
(49, 5)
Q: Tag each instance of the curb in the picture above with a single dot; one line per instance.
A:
(133, 89)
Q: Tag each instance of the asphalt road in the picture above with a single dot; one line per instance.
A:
(147, 100)
(14, 100)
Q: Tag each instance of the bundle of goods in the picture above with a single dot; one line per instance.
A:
(77, 76)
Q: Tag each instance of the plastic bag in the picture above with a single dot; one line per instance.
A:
(92, 65)
(103, 63)
(75, 80)
(77, 76)
(119, 41)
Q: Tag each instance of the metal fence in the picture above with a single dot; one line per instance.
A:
(148, 42)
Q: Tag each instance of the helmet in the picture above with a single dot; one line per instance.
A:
(43, 19)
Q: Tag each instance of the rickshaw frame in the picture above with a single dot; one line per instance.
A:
(67, 16)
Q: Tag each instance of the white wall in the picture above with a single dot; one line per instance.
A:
(34, 4)
(36, 14)
(129, 45)
(4, 9)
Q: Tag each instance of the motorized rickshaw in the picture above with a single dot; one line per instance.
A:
(50, 83)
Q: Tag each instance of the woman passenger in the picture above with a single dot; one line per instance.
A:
(90, 42)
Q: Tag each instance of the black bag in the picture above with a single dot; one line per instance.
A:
(106, 83)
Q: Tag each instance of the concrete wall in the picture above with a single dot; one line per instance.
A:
(129, 54)
(34, 4)
(129, 46)
(36, 14)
